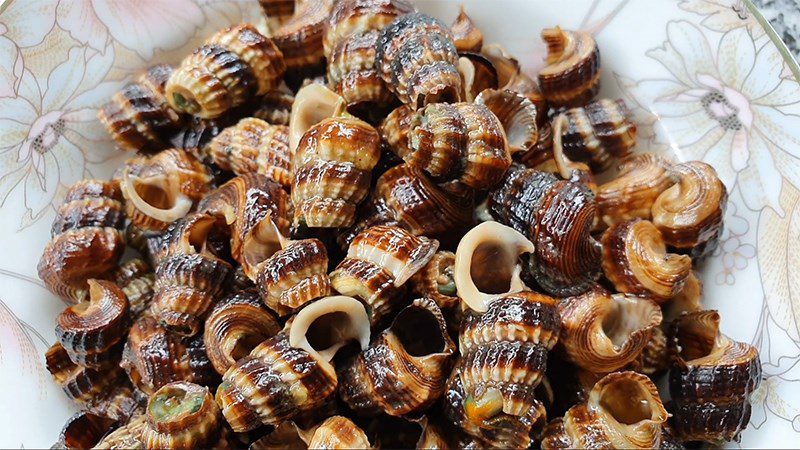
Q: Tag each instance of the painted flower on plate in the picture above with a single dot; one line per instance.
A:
(723, 15)
(22, 24)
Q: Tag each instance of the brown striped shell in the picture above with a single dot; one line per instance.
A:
(92, 331)
(294, 276)
(379, 262)
(557, 216)
(300, 37)
(85, 386)
(332, 168)
(417, 59)
(190, 277)
(654, 359)
(277, 12)
(87, 239)
(689, 299)
(599, 133)
(126, 436)
(254, 146)
(236, 325)
(395, 128)
(437, 281)
(602, 332)
(636, 261)
(689, 214)
(161, 189)
(466, 35)
(138, 116)
(464, 142)
(232, 66)
(275, 107)
(182, 415)
(404, 370)
(572, 74)
(136, 279)
(711, 379)
(350, 17)
(516, 113)
(477, 75)
(84, 430)
(511, 77)
(338, 432)
(623, 411)
(568, 169)
(312, 104)
(290, 373)
(641, 179)
(540, 156)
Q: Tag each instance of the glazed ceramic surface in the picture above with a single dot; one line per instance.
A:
(705, 79)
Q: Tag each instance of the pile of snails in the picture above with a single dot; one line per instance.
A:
(351, 225)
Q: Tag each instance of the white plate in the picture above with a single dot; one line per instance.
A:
(60, 60)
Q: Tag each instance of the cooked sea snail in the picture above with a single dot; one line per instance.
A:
(510, 77)
(277, 12)
(466, 35)
(291, 372)
(689, 299)
(404, 370)
(395, 128)
(126, 436)
(85, 386)
(379, 262)
(136, 279)
(300, 37)
(275, 107)
(641, 179)
(516, 113)
(182, 415)
(236, 325)
(654, 358)
(572, 74)
(436, 281)
(477, 75)
(312, 104)
(623, 411)
(599, 133)
(87, 239)
(232, 66)
(83, 430)
(568, 169)
(711, 379)
(689, 214)
(464, 142)
(338, 432)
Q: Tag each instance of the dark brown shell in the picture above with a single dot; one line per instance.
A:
(294, 276)
(137, 280)
(466, 35)
(275, 107)
(654, 358)
(641, 179)
(711, 379)
(557, 216)
(599, 133)
(83, 430)
(436, 281)
(350, 17)
(300, 37)
(127, 436)
(87, 239)
(395, 128)
(138, 116)
(277, 11)
(403, 372)
(510, 77)
(83, 385)
(572, 74)
(477, 74)
(182, 415)
(234, 327)
(417, 59)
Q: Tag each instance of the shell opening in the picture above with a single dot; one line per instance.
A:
(328, 324)
(447, 94)
(418, 331)
(172, 402)
(697, 336)
(156, 197)
(567, 168)
(263, 241)
(312, 104)
(196, 235)
(185, 101)
(625, 317)
(628, 402)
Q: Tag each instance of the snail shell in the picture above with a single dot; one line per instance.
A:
(689, 214)
(92, 331)
(312, 104)
(417, 59)
(464, 142)
(598, 133)
(84, 430)
(603, 332)
(510, 77)
(294, 276)
(338, 432)
(275, 107)
(332, 168)
(636, 261)
(641, 179)
(689, 299)
(379, 262)
(517, 114)
(136, 279)
(232, 66)
(568, 169)
(654, 358)
(138, 116)
(623, 411)
(466, 35)
(557, 217)
(83, 385)
(181, 415)
(300, 37)
(254, 146)
(277, 12)
(477, 75)
(87, 239)
(126, 436)
(403, 372)
(290, 373)
(395, 128)
(572, 74)
(234, 327)
(711, 379)
(350, 17)
(437, 281)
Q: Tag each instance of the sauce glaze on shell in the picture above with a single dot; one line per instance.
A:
(572, 74)
(136, 279)
(599, 133)
(641, 179)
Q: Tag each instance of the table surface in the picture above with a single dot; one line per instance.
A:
(784, 15)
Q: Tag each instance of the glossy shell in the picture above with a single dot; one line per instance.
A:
(300, 37)
(395, 128)
(641, 179)
(572, 74)
(477, 75)
(84, 430)
(350, 17)
(85, 386)
(352, 74)
(127, 436)
(181, 415)
(136, 279)
(466, 35)
(517, 114)
(338, 432)
(437, 281)
(312, 104)
(599, 133)
(275, 107)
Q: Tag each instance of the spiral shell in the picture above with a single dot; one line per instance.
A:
(572, 74)
(351, 17)
(417, 59)
(437, 281)
(379, 262)
(277, 12)
(232, 66)
(689, 299)
(641, 179)
(466, 35)
(463, 142)
(332, 168)
(477, 75)
(557, 216)
(300, 37)
(294, 276)
(126, 436)
(711, 379)
(623, 411)
(136, 279)
(599, 133)
(84, 430)
(275, 107)
(395, 128)
(404, 370)
(254, 146)
(312, 104)
(654, 358)
(352, 74)
(517, 114)
(85, 386)
(181, 415)
(234, 327)
(603, 332)
(689, 214)
(290, 373)
(338, 432)
(510, 77)
(161, 189)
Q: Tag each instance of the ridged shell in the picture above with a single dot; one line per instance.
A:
(137, 280)
(275, 107)
(540, 156)
(395, 128)
(689, 214)
(300, 37)
(332, 168)
(232, 66)
(125, 437)
(557, 216)
(277, 12)
(511, 77)
(599, 133)
(477, 75)
(350, 17)
(84, 430)
(636, 261)
(138, 116)
(254, 146)
(404, 371)
(294, 276)
(436, 281)
(195, 132)
(641, 179)
(417, 59)
(313, 104)
(236, 325)
(92, 331)
(516, 113)
(464, 142)
(338, 432)
(572, 74)
(85, 386)
(87, 239)
(181, 415)
(576, 171)
(603, 332)
(379, 262)
(711, 379)
(654, 358)
(688, 300)
(623, 411)
(466, 35)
